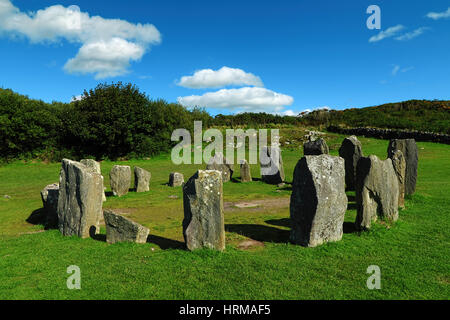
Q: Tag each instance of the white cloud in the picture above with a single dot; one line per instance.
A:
(395, 70)
(290, 113)
(412, 34)
(247, 99)
(388, 33)
(439, 15)
(107, 45)
(225, 76)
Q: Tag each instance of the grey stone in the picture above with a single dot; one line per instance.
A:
(176, 179)
(409, 149)
(94, 165)
(318, 200)
(79, 200)
(272, 169)
(203, 224)
(141, 179)
(246, 175)
(49, 197)
(219, 163)
(315, 148)
(376, 191)
(120, 179)
(121, 229)
(399, 163)
(351, 151)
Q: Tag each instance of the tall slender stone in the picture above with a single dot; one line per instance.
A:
(376, 191)
(411, 153)
(49, 197)
(351, 151)
(399, 163)
(120, 179)
(203, 224)
(94, 165)
(272, 169)
(79, 200)
(176, 179)
(318, 200)
(141, 180)
(246, 175)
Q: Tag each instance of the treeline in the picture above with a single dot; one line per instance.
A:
(108, 122)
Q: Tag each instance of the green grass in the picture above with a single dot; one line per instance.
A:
(413, 254)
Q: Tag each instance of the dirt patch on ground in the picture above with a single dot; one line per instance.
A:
(257, 205)
(249, 244)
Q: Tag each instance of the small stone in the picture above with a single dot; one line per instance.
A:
(203, 224)
(246, 175)
(6, 196)
(141, 180)
(315, 148)
(176, 179)
(121, 229)
(219, 163)
(120, 179)
(272, 169)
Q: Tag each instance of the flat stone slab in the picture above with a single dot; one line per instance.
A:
(246, 205)
(121, 229)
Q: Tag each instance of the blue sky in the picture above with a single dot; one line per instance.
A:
(279, 56)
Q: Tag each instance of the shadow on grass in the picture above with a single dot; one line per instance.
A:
(351, 206)
(259, 232)
(39, 217)
(351, 198)
(285, 222)
(350, 227)
(165, 243)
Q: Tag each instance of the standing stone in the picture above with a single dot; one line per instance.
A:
(219, 163)
(272, 169)
(246, 175)
(376, 191)
(49, 197)
(141, 179)
(120, 179)
(79, 200)
(176, 179)
(203, 224)
(315, 148)
(351, 151)
(399, 163)
(409, 149)
(121, 229)
(94, 165)
(318, 200)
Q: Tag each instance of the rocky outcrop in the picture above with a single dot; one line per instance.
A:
(121, 229)
(351, 152)
(318, 200)
(411, 154)
(376, 191)
(203, 224)
(219, 163)
(141, 180)
(79, 200)
(120, 179)
(272, 169)
(315, 148)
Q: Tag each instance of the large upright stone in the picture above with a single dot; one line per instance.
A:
(94, 165)
(203, 224)
(121, 229)
(220, 163)
(376, 191)
(318, 200)
(409, 149)
(315, 148)
(79, 200)
(272, 169)
(246, 175)
(141, 180)
(49, 197)
(399, 163)
(120, 179)
(351, 151)
(176, 179)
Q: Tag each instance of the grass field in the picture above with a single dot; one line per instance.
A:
(413, 254)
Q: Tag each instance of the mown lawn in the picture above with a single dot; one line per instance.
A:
(413, 254)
